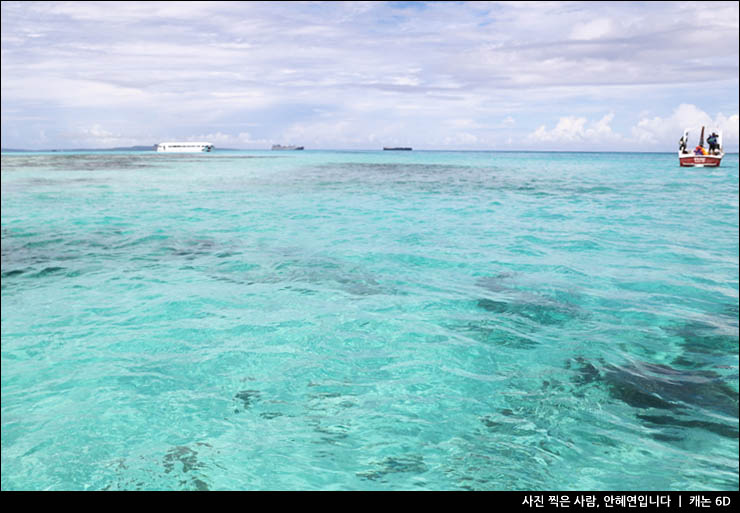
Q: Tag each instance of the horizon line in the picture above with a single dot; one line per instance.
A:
(134, 148)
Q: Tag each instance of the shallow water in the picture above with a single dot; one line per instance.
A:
(369, 320)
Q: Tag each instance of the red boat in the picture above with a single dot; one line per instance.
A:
(701, 156)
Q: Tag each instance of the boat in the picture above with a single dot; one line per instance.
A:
(701, 156)
(281, 147)
(396, 148)
(184, 147)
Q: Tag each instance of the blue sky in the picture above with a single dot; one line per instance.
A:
(361, 75)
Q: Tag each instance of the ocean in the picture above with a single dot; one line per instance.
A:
(368, 320)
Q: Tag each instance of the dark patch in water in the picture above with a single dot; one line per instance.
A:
(192, 248)
(434, 178)
(505, 422)
(82, 162)
(707, 339)
(184, 455)
(269, 415)
(38, 255)
(331, 434)
(497, 283)
(732, 312)
(47, 271)
(660, 387)
(670, 420)
(544, 313)
(397, 168)
(188, 459)
(395, 465)
(325, 272)
(492, 333)
(248, 398)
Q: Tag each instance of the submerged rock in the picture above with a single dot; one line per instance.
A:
(646, 385)
(247, 397)
(678, 392)
(540, 311)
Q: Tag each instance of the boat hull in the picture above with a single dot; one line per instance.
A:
(700, 160)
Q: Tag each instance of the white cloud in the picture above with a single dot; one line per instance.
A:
(666, 131)
(71, 92)
(593, 29)
(241, 140)
(95, 136)
(649, 134)
(571, 129)
(461, 140)
(129, 11)
(323, 134)
(329, 71)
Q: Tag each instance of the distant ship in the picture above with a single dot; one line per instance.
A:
(184, 147)
(281, 147)
(396, 148)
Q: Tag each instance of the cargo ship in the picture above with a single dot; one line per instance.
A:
(281, 147)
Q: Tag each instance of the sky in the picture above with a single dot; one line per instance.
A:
(598, 76)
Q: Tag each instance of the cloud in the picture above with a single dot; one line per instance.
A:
(571, 129)
(340, 133)
(649, 134)
(73, 93)
(461, 140)
(658, 131)
(223, 140)
(593, 29)
(95, 136)
(357, 70)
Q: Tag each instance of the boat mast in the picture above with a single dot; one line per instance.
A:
(701, 139)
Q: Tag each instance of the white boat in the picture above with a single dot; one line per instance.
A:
(184, 147)
(701, 156)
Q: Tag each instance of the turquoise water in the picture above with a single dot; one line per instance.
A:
(369, 321)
